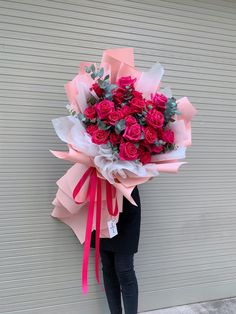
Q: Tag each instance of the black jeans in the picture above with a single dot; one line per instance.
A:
(119, 278)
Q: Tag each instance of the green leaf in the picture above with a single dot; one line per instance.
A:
(102, 125)
(100, 72)
(112, 86)
(100, 82)
(114, 148)
(158, 143)
(93, 76)
(87, 69)
(128, 97)
(120, 126)
(82, 118)
(106, 77)
(105, 85)
(92, 68)
(92, 100)
(108, 96)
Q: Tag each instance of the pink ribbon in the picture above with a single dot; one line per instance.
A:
(94, 189)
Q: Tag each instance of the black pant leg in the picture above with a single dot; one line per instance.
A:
(111, 282)
(129, 286)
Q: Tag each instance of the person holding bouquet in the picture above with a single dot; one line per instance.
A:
(117, 257)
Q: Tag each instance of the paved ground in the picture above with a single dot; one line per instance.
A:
(224, 306)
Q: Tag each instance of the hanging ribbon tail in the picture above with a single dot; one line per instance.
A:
(109, 198)
(94, 194)
(91, 174)
(98, 221)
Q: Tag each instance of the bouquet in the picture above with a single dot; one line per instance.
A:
(122, 130)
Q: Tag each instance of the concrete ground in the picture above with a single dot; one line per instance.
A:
(224, 306)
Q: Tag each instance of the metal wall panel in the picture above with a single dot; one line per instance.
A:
(187, 247)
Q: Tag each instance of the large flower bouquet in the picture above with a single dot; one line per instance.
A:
(122, 130)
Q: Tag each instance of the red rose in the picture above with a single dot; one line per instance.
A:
(160, 101)
(90, 113)
(137, 104)
(91, 129)
(159, 133)
(118, 95)
(137, 94)
(132, 132)
(97, 89)
(150, 134)
(126, 81)
(104, 108)
(128, 151)
(146, 146)
(129, 120)
(168, 136)
(155, 118)
(115, 138)
(115, 116)
(126, 110)
(100, 137)
(157, 149)
(145, 158)
(149, 104)
(144, 155)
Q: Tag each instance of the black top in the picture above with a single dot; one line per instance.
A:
(128, 227)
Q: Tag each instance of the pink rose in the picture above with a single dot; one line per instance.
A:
(155, 118)
(160, 101)
(90, 113)
(129, 120)
(168, 136)
(115, 116)
(104, 108)
(115, 138)
(128, 151)
(137, 104)
(125, 81)
(150, 134)
(100, 137)
(132, 132)
(91, 129)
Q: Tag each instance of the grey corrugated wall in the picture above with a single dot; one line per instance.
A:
(188, 239)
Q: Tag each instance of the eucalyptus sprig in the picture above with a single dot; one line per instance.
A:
(170, 111)
(72, 111)
(103, 83)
